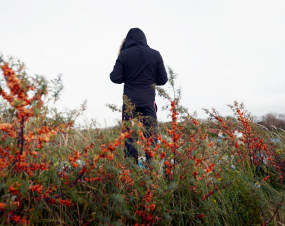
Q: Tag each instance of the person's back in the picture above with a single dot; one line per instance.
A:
(139, 67)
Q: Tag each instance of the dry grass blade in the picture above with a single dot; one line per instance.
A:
(80, 134)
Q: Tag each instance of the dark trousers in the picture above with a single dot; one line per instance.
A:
(147, 115)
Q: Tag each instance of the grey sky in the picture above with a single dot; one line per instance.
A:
(222, 50)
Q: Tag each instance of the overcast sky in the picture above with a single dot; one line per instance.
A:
(222, 50)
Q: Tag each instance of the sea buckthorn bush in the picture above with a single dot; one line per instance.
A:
(224, 170)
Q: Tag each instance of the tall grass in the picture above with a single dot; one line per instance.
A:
(65, 175)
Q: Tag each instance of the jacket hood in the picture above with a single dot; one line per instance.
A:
(134, 37)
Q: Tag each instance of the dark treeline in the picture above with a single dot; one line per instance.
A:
(272, 120)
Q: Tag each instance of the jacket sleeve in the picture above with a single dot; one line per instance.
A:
(116, 75)
(161, 75)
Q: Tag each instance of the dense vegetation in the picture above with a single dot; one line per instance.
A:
(223, 171)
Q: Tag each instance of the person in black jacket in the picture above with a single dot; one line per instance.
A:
(140, 68)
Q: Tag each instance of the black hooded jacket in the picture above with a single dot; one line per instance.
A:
(139, 67)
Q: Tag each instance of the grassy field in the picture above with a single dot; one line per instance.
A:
(220, 171)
